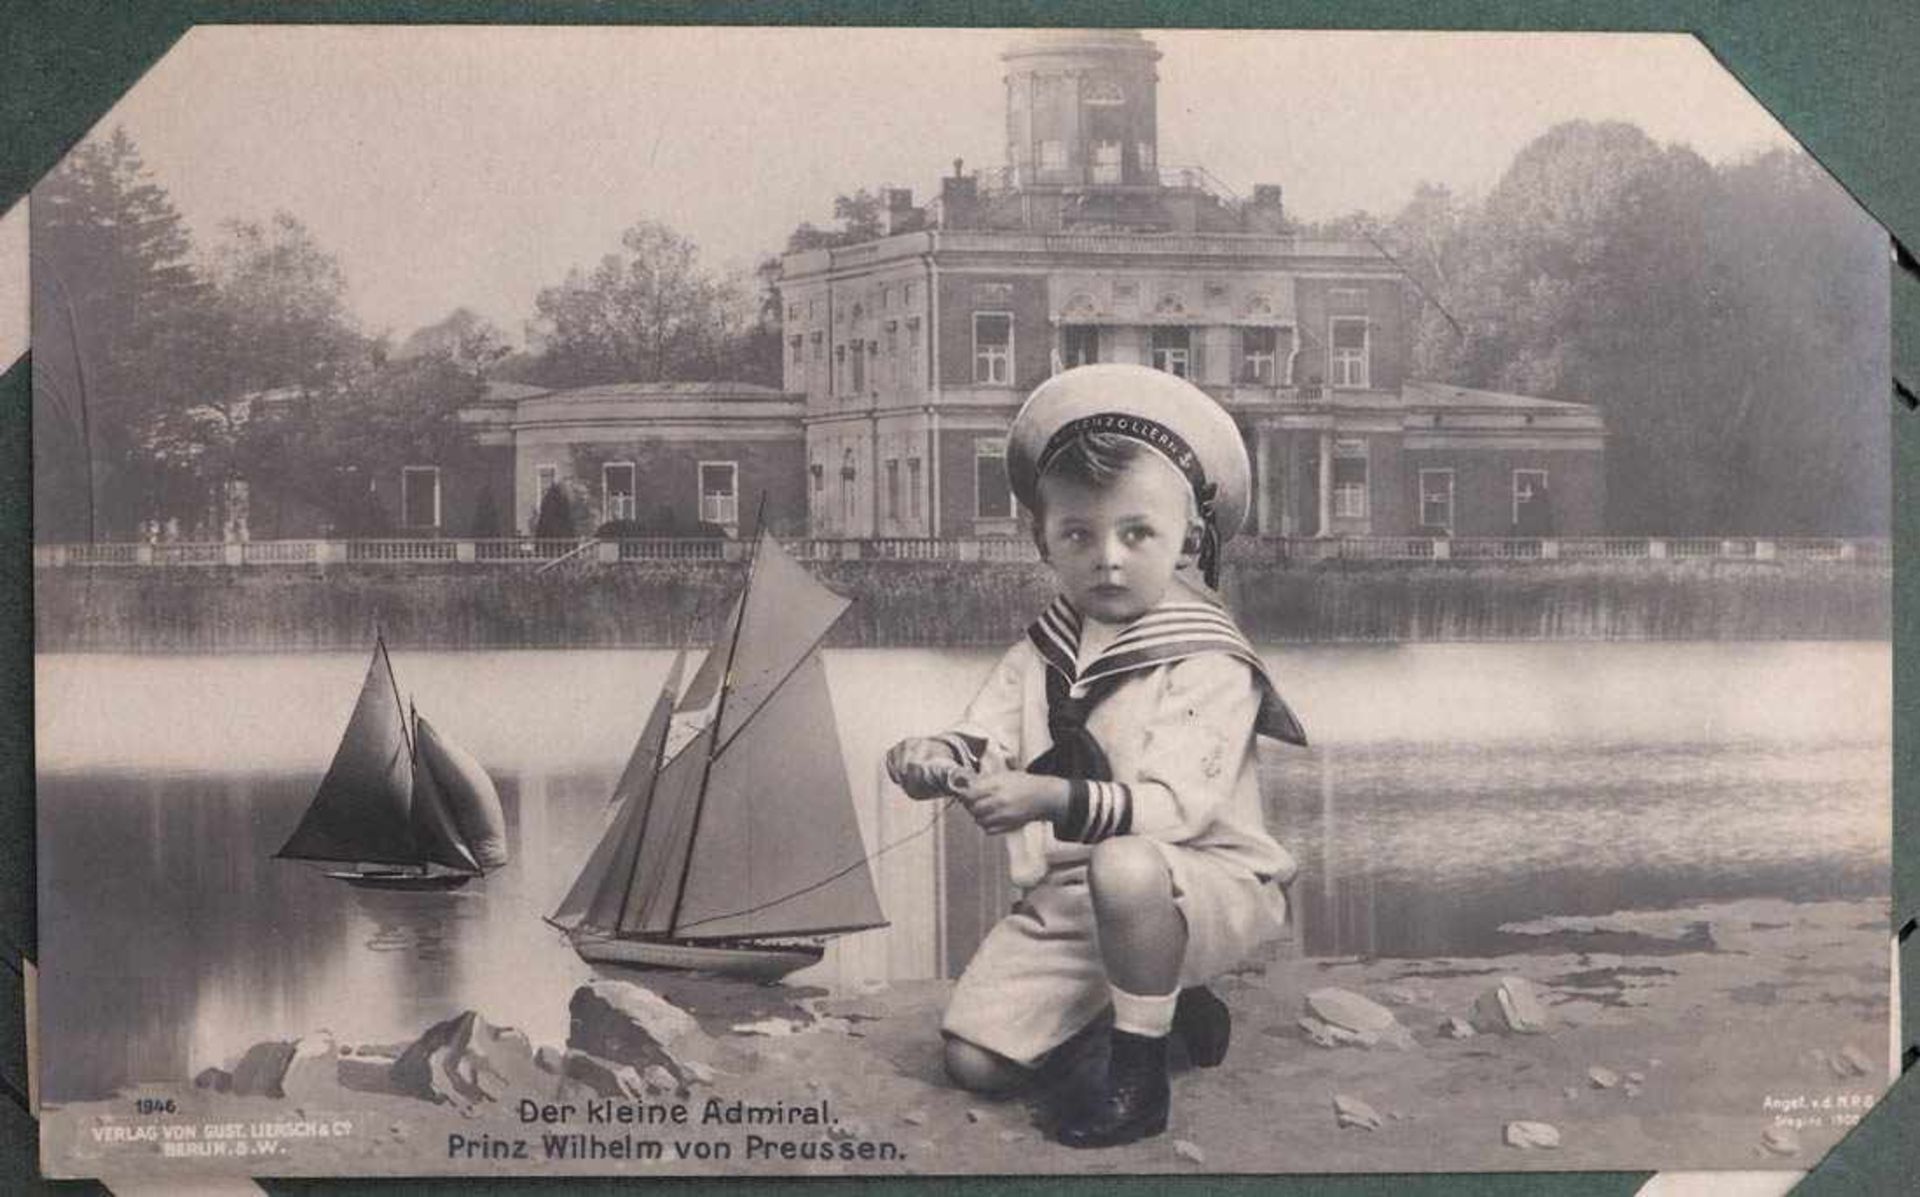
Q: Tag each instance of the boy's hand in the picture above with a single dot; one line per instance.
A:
(924, 768)
(1000, 802)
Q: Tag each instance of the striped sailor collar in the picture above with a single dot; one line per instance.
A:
(1182, 625)
(1185, 624)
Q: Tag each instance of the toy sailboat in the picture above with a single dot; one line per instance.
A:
(734, 848)
(402, 806)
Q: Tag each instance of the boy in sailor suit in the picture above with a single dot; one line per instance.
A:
(1114, 746)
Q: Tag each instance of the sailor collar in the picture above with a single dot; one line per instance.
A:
(1178, 628)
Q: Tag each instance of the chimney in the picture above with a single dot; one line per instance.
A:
(1265, 213)
(900, 215)
(959, 199)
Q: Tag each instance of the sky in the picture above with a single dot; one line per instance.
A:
(471, 166)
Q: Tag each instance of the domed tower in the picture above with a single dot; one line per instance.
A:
(1080, 109)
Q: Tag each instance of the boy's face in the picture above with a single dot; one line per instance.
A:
(1115, 547)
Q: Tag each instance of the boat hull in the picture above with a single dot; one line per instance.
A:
(760, 962)
(403, 881)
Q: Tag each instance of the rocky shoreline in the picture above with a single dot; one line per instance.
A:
(1743, 1034)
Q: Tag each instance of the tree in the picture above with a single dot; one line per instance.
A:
(270, 361)
(111, 277)
(463, 337)
(555, 519)
(860, 216)
(647, 314)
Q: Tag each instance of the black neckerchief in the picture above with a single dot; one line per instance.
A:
(1173, 631)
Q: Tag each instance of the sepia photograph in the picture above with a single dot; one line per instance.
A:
(834, 601)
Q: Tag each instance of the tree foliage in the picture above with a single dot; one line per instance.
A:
(161, 381)
(1726, 321)
(649, 313)
(112, 287)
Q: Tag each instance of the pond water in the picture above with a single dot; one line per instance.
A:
(1450, 789)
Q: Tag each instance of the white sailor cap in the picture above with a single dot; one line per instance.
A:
(1165, 412)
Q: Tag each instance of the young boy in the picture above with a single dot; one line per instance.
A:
(1114, 747)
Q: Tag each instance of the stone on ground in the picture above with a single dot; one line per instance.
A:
(1456, 1027)
(1352, 1112)
(259, 1072)
(466, 1060)
(1189, 1151)
(1781, 1140)
(631, 1024)
(1509, 1008)
(1602, 1078)
(1530, 1136)
(603, 1078)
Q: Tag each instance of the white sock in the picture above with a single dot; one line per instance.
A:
(1150, 1014)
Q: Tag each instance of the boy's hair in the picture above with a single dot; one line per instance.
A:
(1094, 460)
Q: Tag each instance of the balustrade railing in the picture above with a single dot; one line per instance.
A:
(540, 553)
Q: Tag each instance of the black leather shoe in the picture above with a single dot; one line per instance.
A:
(1203, 1021)
(1133, 1104)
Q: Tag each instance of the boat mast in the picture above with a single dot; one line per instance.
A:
(719, 713)
(406, 725)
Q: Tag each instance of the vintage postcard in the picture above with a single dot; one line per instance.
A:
(833, 601)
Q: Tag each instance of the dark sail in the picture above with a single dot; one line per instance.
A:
(468, 792)
(363, 811)
(434, 832)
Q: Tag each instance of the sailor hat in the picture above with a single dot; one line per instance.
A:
(1167, 413)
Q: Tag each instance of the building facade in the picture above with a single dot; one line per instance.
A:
(913, 351)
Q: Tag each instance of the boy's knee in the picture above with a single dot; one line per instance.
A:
(976, 1069)
(1127, 871)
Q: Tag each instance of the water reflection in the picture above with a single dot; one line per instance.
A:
(1450, 789)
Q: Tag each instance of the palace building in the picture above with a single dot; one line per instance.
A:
(914, 350)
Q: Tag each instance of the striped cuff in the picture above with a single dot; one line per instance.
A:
(1096, 810)
(967, 750)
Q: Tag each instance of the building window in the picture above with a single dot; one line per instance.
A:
(545, 478)
(849, 475)
(819, 346)
(720, 492)
(886, 297)
(1053, 154)
(992, 496)
(1144, 150)
(819, 473)
(913, 488)
(1079, 345)
(1106, 162)
(1436, 500)
(1258, 347)
(859, 367)
(906, 295)
(420, 496)
(798, 354)
(913, 352)
(1349, 365)
(616, 490)
(993, 348)
(1172, 351)
(1350, 479)
(1530, 515)
(893, 488)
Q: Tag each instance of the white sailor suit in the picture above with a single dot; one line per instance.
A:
(1173, 702)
